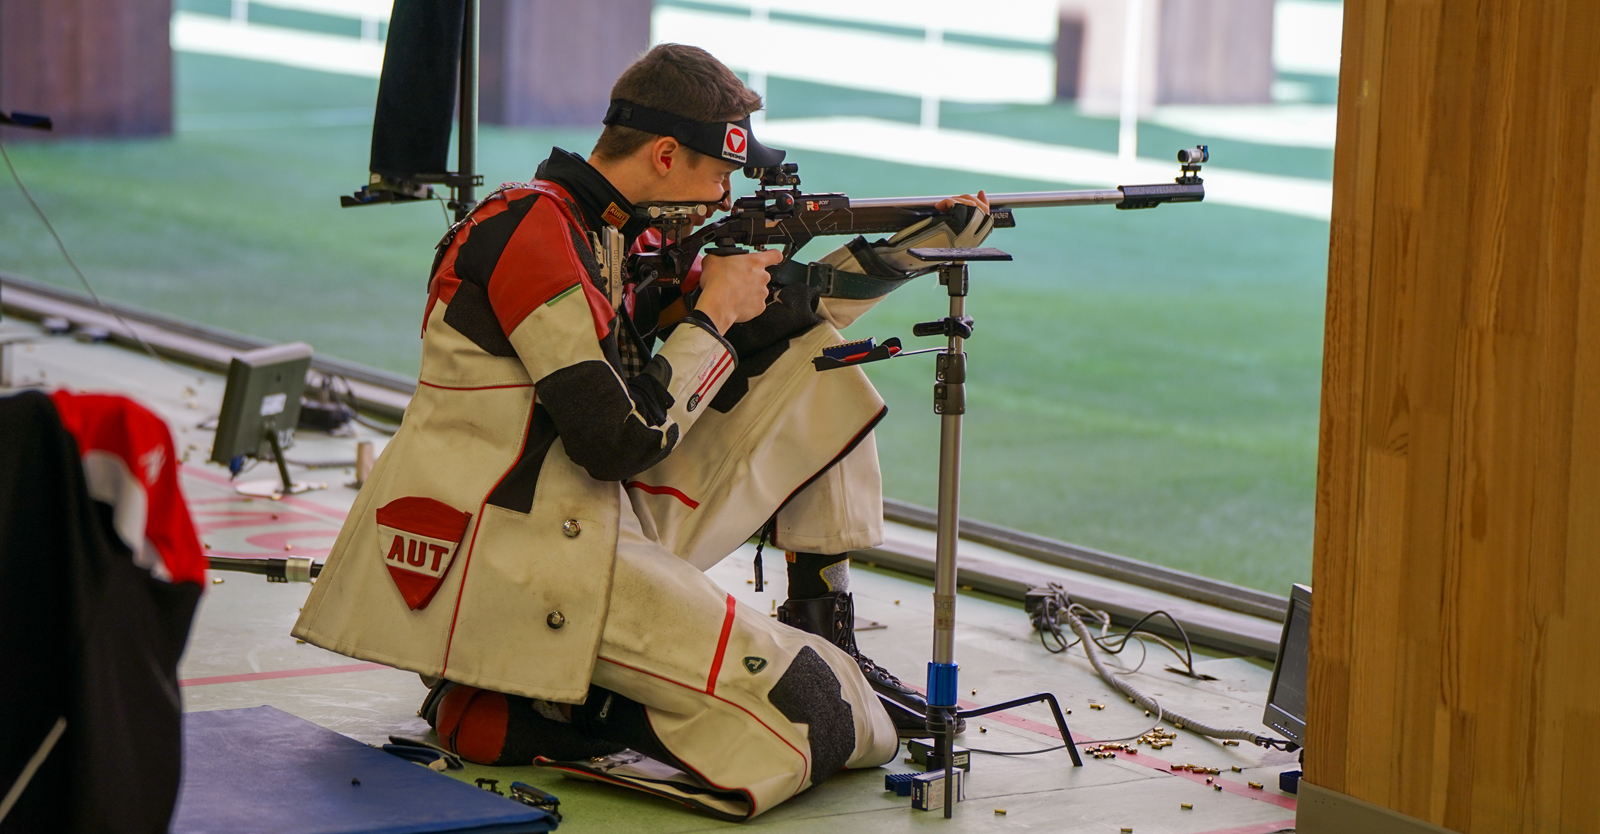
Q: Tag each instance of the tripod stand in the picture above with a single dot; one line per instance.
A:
(950, 403)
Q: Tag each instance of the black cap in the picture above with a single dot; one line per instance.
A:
(731, 141)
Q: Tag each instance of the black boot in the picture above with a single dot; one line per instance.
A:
(833, 618)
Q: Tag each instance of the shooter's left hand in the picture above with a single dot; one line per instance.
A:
(980, 202)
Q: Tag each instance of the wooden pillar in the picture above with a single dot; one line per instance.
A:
(552, 62)
(1455, 647)
(97, 67)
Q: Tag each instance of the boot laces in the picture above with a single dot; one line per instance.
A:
(844, 636)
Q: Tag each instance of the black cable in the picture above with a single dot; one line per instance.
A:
(1019, 753)
(15, 177)
(349, 399)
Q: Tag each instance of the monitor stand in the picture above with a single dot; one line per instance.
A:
(285, 485)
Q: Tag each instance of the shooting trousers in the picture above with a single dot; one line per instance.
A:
(753, 711)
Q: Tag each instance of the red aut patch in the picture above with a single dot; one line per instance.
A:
(418, 539)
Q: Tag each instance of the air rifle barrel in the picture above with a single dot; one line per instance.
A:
(1020, 199)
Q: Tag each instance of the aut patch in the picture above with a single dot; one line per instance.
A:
(418, 539)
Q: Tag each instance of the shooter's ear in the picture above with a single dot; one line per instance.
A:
(663, 155)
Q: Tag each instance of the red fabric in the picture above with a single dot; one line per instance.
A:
(722, 647)
(540, 262)
(140, 439)
(472, 724)
(425, 517)
(664, 490)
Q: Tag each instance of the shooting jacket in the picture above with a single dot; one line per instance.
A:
(481, 547)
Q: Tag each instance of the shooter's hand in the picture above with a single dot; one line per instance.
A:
(980, 202)
(734, 288)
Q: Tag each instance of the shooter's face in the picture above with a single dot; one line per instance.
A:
(697, 178)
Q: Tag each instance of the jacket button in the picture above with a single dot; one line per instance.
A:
(556, 619)
(572, 528)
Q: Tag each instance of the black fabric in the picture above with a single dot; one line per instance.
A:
(596, 421)
(805, 574)
(610, 717)
(515, 490)
(705, 137)
(470, 313)
(417, 90)
(590, 190)
(759, 342)
(871, 262)
(85, 634)
(478, 255)
(650, 395)
(808, 693)
(790, 312)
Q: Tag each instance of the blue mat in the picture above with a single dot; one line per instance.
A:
(264, 770)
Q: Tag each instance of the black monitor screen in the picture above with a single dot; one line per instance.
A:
(263, 394)
(1286, 700)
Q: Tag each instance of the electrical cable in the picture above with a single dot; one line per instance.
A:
(1179, 720)
(1048, 607)
(15, 177)
(349, 399)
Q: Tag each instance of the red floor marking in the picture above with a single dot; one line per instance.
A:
(283, 673)
(1258, 828)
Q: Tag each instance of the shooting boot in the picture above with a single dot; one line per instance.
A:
(832, 617)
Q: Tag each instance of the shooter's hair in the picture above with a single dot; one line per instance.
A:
(674, 78)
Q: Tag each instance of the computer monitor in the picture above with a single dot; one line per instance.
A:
(1286, 698)
(260, 408)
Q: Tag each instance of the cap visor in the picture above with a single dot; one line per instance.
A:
(761, 156)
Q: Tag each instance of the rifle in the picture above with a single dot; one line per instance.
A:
(780, 214)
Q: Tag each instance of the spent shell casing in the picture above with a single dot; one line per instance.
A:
(1187, 806)
(1238, 769)
(1256, 785)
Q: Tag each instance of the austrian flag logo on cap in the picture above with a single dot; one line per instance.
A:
(418, 539)
(734, 142)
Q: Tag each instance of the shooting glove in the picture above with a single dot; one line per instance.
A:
(865, 272)
(791, 311)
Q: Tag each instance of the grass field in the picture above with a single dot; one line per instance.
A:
(1142, 382)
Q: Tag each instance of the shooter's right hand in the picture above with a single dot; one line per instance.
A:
(733, 288)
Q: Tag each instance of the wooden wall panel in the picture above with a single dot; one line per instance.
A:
(552, 62)
(1455, 661)
(97, 67)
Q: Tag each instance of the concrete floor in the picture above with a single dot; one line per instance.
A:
(240, 654)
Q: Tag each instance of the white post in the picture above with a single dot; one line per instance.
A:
(759, 15)
(930, 97)
(241, 12)
(1132, 57)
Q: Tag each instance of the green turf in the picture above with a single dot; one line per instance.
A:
(1143, 382)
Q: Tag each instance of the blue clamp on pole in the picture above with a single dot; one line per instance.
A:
(942, 684)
